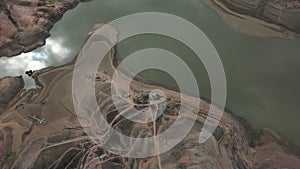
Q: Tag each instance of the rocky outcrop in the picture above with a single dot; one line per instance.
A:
(24, 25)
(10, 87)
(281, 12)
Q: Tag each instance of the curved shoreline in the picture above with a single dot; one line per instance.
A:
(264, 142)
(232, 146)
(246, 21)
(24, 26)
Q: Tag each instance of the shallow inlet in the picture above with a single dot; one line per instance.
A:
(262, 74)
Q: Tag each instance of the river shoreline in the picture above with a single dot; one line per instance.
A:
(236, 141)
(248, 24)
(25, 25)
(264, 142)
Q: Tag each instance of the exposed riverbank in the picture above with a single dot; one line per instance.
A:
(233, 144)
(261, 150)
(25, 25)
(259, 18)
(23, 33)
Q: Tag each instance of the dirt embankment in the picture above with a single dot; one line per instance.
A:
(24, 25)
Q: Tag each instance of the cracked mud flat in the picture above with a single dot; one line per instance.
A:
(24, 25)
(62, 142)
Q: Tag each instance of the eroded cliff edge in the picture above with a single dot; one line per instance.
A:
(25, 24)
(62, 142)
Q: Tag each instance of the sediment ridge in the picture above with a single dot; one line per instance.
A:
(271, 18)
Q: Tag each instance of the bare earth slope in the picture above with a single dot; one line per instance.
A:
(25, 24)
(62, 143)
(10, 87)
(282, 12)
(264, 18)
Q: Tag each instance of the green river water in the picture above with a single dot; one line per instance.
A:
(262, 73)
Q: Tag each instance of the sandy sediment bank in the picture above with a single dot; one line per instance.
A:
(259, 18)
